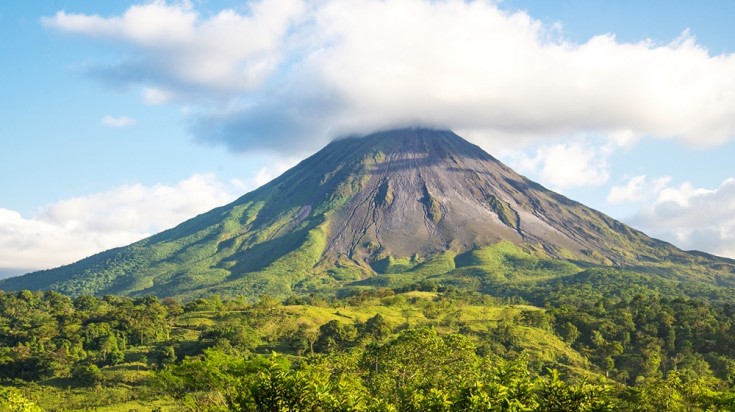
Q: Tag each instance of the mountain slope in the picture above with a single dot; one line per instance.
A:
(414, 200)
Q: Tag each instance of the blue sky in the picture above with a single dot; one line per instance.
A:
(121, 119)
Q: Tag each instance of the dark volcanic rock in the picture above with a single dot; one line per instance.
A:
(427, 191)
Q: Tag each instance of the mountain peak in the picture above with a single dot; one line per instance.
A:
(434, 143)
(348, 211)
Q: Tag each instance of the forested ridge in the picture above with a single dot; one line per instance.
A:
(590, 346)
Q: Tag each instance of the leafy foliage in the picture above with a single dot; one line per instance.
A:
(376, 349)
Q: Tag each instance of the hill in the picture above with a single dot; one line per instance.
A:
(391, 208)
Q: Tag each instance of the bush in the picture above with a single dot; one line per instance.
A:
(86, 374)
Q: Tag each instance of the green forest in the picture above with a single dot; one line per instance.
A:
(601, 341)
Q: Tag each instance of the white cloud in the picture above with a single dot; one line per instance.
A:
(637, 189)
(693, 218)
(121, 121)
(275, 169)
(177, 46)
(288, 75)
(154, 96)
(72, 229)
(566, 165)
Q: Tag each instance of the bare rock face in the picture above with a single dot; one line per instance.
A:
(424, 194)
(427, 191)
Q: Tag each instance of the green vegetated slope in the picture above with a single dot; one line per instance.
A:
(504, 268)
(264, 243)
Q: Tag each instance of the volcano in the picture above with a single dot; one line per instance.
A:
(397, 202)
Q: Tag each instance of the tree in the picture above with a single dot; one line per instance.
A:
(418, 360)
(173, 307)
(86, 373)
(304, 338)
(16, 402)
(116, 357)
(276, 386)
(535, 318)
(568, 332)
(554, 395)
(333, 336)
(376, 328)
(167, 356)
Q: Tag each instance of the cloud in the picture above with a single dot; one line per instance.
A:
(580, 162)
(692, 218)
(155, 96)
(121, 121)
(275, 169)
(637, 189)
(177, 48)
(68, 230)
(289, 75)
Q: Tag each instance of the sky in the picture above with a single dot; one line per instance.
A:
(121, 119)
